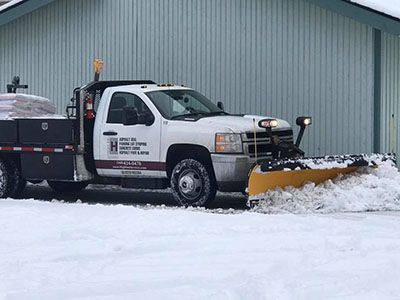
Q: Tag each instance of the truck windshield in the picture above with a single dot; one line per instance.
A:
(176, 104)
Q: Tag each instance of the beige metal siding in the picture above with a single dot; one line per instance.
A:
(282, 58)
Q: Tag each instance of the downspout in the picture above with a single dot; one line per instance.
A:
(377, 89)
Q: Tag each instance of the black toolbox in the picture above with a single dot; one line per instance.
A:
(50, 166)
(8, 131)
(45, 131)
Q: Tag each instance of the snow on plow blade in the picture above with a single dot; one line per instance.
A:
(272, 174)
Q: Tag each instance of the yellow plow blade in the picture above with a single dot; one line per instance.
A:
(260, 183)
(271, 174)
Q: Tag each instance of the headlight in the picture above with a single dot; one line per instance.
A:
(228, 143)
(304, 121)
(268, 123)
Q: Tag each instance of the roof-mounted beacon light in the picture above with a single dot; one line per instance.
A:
(98, 68)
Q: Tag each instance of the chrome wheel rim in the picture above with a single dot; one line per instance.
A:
(190, 184)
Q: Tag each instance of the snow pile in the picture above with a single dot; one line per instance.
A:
(389, 7)
(24, 106)
(78, 251)
(327, 162)
(367, 190)
(344, 161)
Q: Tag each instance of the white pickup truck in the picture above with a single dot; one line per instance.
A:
(137, 134)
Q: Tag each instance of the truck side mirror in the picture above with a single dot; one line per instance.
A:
(220, 105)
(129, 116)
(146, 118)
(149, 119)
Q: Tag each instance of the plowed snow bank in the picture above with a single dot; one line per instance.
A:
(367, 190)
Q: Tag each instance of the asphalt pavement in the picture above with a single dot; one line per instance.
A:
(116, 195)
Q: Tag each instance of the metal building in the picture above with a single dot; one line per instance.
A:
(332, 59)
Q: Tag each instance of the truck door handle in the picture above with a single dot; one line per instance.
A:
(110, 133)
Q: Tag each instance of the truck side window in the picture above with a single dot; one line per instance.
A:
(121, 100)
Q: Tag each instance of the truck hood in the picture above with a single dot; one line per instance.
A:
(239, 124)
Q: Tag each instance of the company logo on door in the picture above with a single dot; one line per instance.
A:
(127, 146)
(113, 146)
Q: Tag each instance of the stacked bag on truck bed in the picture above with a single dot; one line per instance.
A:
(25, 106)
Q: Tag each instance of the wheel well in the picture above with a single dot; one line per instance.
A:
(178, 152)
(14, 157)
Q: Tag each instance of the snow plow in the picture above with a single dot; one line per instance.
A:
(289, 168)
(141, 136)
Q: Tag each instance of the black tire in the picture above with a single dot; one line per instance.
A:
(4, 179)
(67, 187)
(192, 183)
(16, 183)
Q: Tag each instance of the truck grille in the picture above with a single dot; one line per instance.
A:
(264, 145)
(264, 135)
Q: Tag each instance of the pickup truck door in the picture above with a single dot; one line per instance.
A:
(128, 150)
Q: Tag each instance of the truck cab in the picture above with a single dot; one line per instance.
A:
(159, 136)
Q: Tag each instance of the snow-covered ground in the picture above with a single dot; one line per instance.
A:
(300, 244)
(54, 250)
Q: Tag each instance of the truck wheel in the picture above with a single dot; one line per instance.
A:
(17, 183)
(67, 187)
(192, 184)
(4, 180)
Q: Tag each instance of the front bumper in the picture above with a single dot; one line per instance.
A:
(231, 171)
